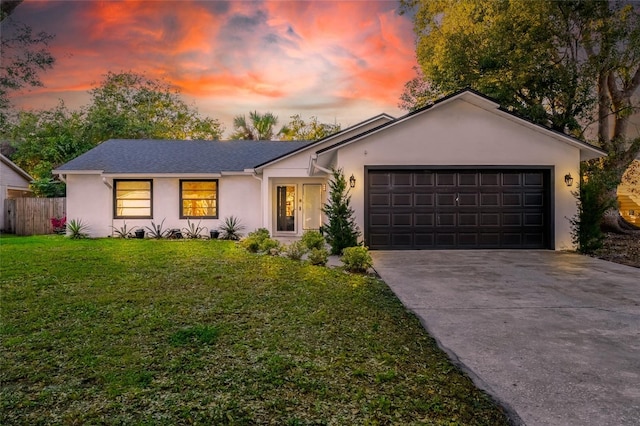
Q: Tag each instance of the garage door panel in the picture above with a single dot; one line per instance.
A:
(424, 179)
(380, 200)
(401, 219)
(489, 200)
(423, 200)
(468, 200)
(402, 179)
(402, 200)
(380, 219)
(431, 209)
(468, 219)
(446, 200)
(424, 219)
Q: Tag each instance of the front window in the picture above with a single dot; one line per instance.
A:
(132, 199)
(199, 198)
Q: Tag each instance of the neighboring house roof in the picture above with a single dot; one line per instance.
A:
(587, 151)
(13, 166)
(120, 156)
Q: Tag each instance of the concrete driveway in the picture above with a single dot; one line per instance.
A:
(554, 337)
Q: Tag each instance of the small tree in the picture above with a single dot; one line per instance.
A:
(341, 231)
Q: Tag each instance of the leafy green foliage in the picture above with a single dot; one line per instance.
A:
(45, 140)
(194, 230)
(205, 333)
(158, 231)
(130, 105)
(318, 256)
(231, 228)
(123, 231)
(313, 239)
(296, 250)
(592, 205)
(259, 127)
(356, 259)
(77, 229)
(259, 241)
(341, 231)
(24, 56)
(563, 64)
(299, 130)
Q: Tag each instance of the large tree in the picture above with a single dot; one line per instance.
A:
(566, 64)
(23, 56)
(133, 106)
(45, 140)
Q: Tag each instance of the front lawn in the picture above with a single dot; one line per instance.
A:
(175, 332)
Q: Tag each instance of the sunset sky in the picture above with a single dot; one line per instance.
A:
(342, 61)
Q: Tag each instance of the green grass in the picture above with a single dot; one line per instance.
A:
(175, 332)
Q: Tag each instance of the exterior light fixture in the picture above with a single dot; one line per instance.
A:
(568, 179)
(352, 181)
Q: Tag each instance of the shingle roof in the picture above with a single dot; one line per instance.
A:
(170, 156)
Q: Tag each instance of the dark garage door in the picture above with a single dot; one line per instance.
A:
(460, 208)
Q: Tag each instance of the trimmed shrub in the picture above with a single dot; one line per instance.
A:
(296, 250)
(318, 256)
(313, 240)
(356, 259)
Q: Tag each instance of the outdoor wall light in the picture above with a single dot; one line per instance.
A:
(568, 179)
(352, 181)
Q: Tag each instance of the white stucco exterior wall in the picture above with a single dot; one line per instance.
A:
(91, 200)
(461, 134)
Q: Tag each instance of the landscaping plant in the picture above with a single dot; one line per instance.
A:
(296, 250)
(356, 259)
(59, 225)
(123, 231)
(313, 239)
(341, 231)
(193, 231)
(318, 256)
(76, 229)
(157, 231)
(231, 228)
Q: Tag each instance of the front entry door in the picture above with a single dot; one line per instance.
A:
(286, 208)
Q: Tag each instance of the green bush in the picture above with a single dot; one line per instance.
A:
(231, 228)
(318, 256)
(76, 229)
(313, 240)
(356, 259)
(258, 241)
(296, 250)
(341, 231)
(586, 229)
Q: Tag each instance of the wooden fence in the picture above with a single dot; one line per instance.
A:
(32, 216)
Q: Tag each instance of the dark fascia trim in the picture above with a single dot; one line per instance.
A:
(548, 186)
(114, 198)
(217, 215)
(318, 141)
(446, 98)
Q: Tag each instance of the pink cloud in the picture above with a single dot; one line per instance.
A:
(276, 54)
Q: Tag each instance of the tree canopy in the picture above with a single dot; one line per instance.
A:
(570, 65)
(24, 55)
(262, 127)
(131, 105)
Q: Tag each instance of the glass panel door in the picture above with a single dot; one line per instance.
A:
(311, 206)
(286, 208)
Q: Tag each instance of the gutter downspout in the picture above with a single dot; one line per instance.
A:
(260, 179)
(63, 178)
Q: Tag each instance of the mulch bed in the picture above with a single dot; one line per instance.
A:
(621, 248)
